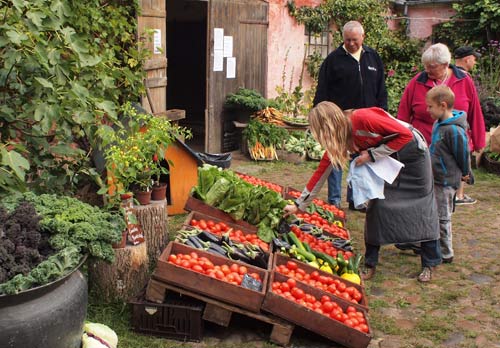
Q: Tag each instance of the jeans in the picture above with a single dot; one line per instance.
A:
(430, 254)
(335, 187)
(444, 198)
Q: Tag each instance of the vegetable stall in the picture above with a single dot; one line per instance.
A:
(235, 244)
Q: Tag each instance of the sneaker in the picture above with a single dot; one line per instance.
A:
(465, 200)
(426, 275)
(368, 273)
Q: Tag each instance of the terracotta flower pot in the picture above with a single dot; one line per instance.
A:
(143, 197)
(159, 192)
(121, 244)
(126, 196)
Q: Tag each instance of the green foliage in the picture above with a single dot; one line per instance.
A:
(265, 133)
(397, 77)
(489, 71)
(244, 98)
(65, 67)
(134, 153)
(476, 22)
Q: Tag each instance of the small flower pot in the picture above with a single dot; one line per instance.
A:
(143, 197)
(159, 192)
(121, 244)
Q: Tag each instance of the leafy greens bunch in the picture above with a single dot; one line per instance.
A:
(44, 237)
(256, 205)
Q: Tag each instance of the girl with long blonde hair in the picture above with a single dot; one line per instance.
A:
(408, 213)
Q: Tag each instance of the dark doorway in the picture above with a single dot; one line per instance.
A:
(187, 64)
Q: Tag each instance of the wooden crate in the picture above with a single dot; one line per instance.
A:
(220, 313)
(312, 320)
(211, 287)
(280, 259)
(244, 226)
(198, 216)
(194, 204)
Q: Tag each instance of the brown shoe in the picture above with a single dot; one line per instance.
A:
(426, 275)
(368, 273)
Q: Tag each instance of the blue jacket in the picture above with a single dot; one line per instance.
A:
(351, 84)
(450, 150)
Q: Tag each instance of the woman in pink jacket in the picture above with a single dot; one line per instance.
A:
(438, 71)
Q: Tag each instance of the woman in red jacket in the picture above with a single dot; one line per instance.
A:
(409, 212)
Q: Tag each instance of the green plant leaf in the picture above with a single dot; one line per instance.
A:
(16, 162)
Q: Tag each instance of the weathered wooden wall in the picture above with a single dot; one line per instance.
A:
(246, 21)
(153, 16)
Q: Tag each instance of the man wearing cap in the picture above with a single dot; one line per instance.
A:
(465, 59)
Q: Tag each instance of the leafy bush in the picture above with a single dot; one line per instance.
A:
(66, 66)
(244, 98)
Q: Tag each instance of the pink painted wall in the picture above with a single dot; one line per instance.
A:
(285, 50)
(422, 18)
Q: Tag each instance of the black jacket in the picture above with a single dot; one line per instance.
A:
(349, 84)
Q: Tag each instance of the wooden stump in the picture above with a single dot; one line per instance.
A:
(153, 220)
(125, 277)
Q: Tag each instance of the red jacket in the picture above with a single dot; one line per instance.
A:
(369, 126)
(412, 108)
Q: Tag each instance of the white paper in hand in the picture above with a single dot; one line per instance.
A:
(386, 168)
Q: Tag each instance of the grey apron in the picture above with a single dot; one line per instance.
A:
(409, 211)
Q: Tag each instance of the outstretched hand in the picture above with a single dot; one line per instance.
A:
(290, 209)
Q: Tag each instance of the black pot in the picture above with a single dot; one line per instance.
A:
(51, 315)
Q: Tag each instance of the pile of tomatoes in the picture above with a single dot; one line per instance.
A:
(330, 207)
(219, 228)
(259, 182)
(316, 220)
(318, 244)
(232, 273)
(350, 317)
(322, 282)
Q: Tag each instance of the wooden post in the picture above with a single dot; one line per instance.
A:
(153, 220)
(123, 278)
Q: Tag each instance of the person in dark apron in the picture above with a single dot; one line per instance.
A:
(408, 214)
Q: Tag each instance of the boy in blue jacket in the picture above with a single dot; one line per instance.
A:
(450, 158)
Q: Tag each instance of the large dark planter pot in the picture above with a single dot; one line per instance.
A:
(51, 315)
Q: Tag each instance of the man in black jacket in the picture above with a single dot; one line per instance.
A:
(352, 76)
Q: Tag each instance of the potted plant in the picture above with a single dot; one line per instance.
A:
(134, 152)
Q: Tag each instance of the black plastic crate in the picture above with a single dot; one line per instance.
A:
(178, 317)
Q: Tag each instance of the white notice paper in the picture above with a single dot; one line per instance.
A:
(218, 39)
(231, 68)
(157, 41)
(228, 46)
(218, 60)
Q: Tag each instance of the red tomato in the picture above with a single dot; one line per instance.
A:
(291, 265)
(298, 293)
(202, 224)
(327, 306)
(291, 283)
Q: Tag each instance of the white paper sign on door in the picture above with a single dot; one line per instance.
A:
(231, 68)
(218, 60)
(157, 41)
(228, 46)
(218, 39)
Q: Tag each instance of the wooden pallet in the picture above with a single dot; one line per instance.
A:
(220, 313)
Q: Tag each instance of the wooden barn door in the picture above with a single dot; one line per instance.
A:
(153, 17)
(246, 21)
